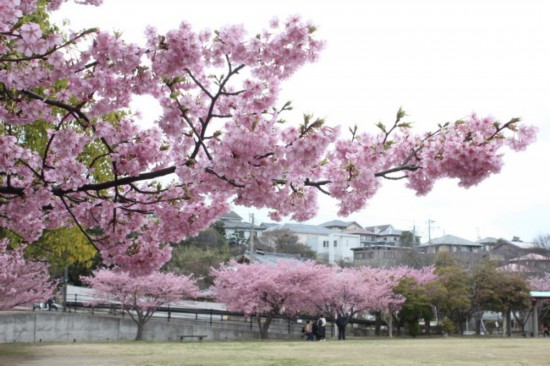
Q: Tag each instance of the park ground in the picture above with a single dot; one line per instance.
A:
(378, 351)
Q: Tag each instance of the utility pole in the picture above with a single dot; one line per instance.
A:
(430, 222)
(252, 238)
(65, 283)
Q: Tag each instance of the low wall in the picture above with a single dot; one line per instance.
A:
(46, 326)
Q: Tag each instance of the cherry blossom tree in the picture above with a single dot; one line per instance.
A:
(413, 295)
(349, 291)
(22, 282)
(265, 290)
(220, 138)
(540, 283)
(140, 296)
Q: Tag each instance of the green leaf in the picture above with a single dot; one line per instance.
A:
(400, 113)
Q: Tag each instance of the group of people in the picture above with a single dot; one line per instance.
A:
(317, 330)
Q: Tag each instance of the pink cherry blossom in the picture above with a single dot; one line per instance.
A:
(22, 282)
(140, 296)
(218, 140)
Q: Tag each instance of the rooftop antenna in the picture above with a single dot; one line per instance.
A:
(430, 222)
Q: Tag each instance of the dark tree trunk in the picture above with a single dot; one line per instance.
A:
(478, 315)
(139, 335)
(264, 327)
(398, 324)
(140, 319)
(508, 323)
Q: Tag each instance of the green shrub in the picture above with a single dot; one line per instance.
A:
(448, 326)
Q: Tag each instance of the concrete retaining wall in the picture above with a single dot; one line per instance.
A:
(48, 326)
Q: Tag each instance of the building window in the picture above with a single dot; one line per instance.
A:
(325, 243)
(335, 244)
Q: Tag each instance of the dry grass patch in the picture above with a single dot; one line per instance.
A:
(380, 351)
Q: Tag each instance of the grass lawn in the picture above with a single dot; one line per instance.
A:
(378, 351)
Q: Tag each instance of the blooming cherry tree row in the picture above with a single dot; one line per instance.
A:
(265, 290)
(220, 138)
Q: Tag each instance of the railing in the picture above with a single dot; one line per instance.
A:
(281, 324)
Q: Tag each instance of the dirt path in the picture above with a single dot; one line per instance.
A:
(64, 361)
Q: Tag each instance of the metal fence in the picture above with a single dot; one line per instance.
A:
(281, 324)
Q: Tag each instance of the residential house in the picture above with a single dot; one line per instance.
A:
(451, 243)
(380, 255)
(381, 246)
(331, 247)
(489, 243)
(237, 230)
(367, 237)
(341, 226)
(504, 250)
(386, 234)
(528, 264)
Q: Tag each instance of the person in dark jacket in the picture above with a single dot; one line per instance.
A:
(321, 328)
(341, 322)
(315, 331)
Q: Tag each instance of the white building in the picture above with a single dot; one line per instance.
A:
(330, 246)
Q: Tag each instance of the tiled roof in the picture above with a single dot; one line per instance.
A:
(384, 230)
(339, 223)
(273, 258)
(231, 216)
(488, 240)
(361, 232)
(530, 257)
(379, 228)
(302, 229)
(235, 225)
(451, 240)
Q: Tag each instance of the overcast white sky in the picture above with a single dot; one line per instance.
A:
(439, 60)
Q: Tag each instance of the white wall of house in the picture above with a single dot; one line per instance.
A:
(337, 247)
(314, 241)
(330, 246)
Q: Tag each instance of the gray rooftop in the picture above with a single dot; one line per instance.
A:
(384, 230)
(230, 216)
(451, 240)
(302, 229)
(339, 223)
(273, 258)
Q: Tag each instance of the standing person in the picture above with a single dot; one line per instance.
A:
(308, 331)
(341, 322)
(545, 330)
(321, 326)
(314, 331)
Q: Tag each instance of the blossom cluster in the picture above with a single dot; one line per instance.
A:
(22, 282)
(293, 287)
(73, 152)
